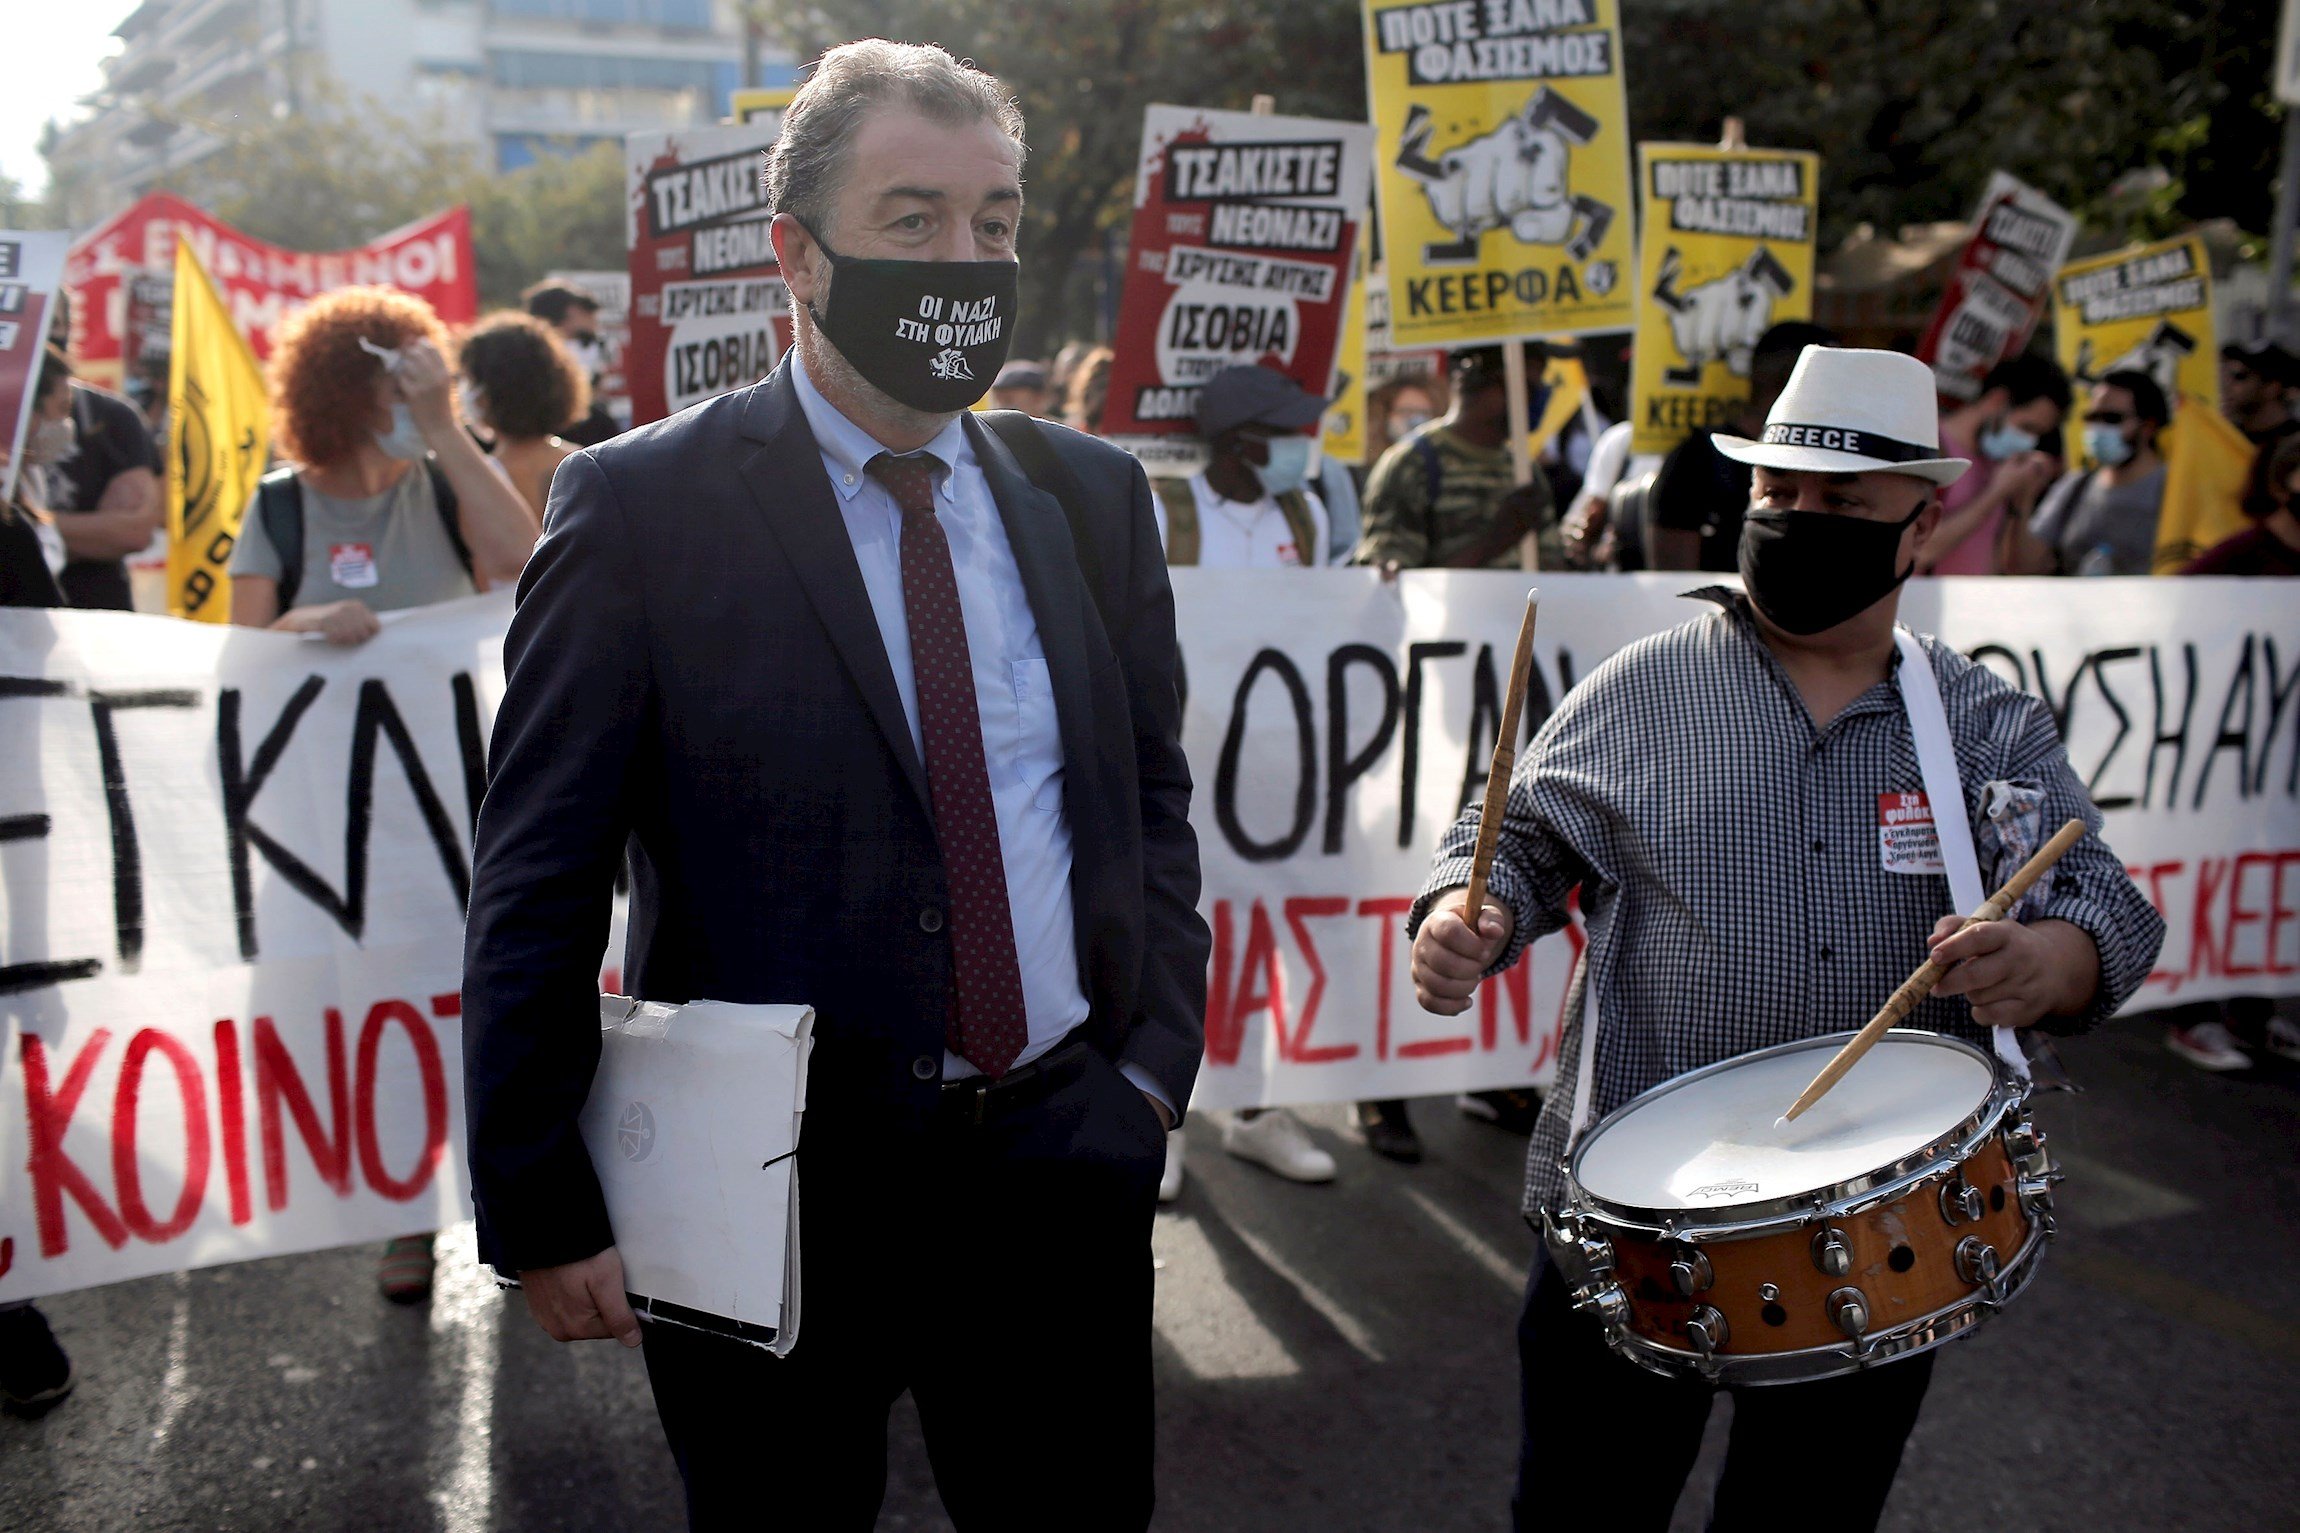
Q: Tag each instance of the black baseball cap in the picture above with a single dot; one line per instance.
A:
(2266, 357)
(1239, 396)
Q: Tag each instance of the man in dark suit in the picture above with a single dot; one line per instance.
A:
(879, 737)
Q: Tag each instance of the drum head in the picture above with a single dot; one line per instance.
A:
(1707, 1140)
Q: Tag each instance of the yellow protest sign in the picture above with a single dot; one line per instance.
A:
(1502, 144)
(2208, 463)
(759, 103)
(1727, 251)
(1344, 436)
(2146, 308)
(219, 437)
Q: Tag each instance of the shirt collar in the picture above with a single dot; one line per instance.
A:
(1734, 607)
(849, 449)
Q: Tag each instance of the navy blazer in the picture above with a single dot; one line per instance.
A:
(695, 679)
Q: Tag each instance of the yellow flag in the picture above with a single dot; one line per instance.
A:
(1567, 382)
(219, 435)
(2206, 463)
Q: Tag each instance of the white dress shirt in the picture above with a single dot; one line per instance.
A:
(1021, 735)
(1250, 536)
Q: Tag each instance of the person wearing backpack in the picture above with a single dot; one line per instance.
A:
(386, 503)
(1252, 507)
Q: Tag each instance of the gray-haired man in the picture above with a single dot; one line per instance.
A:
(894, 732)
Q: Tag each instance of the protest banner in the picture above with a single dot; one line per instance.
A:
(262, 283)
(1244, 229)
(611, 291)
(709, 311)
(31, 267)
(219, 441)
(1727, 252)
(1384, 361)
(1335, 726)
(233, 868)
(148, 325)
(2145, 308)
(1998, 287)
(1502, 133)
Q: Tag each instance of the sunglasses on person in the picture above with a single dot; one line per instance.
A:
(2105, 417)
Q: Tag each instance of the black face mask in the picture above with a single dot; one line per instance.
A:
(1809, 570)
(927, 334)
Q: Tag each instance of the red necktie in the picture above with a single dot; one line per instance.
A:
(986, 1026)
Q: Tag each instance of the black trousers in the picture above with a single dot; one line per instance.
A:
(1007, 1286)
(1608, 1444)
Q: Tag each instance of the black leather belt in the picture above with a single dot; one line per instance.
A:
(975, 1097)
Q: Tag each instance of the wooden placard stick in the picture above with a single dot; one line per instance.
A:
(1504, 764)
(1920, 984)
(1517, 400)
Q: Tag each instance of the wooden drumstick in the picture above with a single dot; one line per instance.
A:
(1920, 984)
(1504, 763)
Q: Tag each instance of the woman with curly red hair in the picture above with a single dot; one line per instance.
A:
(389, 503)
(386, 504)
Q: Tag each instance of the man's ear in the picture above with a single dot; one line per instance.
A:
(795, 249)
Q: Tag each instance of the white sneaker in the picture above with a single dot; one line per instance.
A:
(1170, 1180)
(2284, 1039)
(1276, 1139)
(2208, 1046)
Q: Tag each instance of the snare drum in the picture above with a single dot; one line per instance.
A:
(1907, 1205)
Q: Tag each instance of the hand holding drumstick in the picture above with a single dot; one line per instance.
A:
(2013, 974)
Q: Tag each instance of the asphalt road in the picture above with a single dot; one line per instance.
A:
(1328, 1358)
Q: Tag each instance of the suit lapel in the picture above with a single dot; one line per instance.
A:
(1039, 534)
(785, 476)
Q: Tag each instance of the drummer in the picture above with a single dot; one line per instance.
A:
(1717, 792)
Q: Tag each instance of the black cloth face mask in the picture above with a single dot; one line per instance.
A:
(927, 334)
(1810, 570)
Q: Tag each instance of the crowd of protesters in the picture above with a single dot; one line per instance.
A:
(414, 467)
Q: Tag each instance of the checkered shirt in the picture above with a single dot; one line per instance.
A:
(1729, 859)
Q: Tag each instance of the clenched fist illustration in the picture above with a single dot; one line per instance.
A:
(1515, 175)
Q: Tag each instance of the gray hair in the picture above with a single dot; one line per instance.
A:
(808, 160)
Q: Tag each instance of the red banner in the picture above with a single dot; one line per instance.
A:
(263, 283)
(2002, 279)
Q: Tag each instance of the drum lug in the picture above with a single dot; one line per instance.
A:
(1691, 1272)
(1707, 1330)
(1584, 1260)
(2036, 1193)
(1849, 1309)
(1961, 1201)
(2024, 1142)
(1608, 1304)
(1832, 1252)
(1976, 1260)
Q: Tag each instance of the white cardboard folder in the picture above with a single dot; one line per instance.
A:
(693, 1128)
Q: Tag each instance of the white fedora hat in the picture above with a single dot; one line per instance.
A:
(1847, 411)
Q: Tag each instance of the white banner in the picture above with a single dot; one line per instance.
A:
(232, 868)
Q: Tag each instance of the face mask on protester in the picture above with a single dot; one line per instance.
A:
(588, 354)
(1406, 422)
(2106, 443)
(53, 441)
(1810, 570)
(2005, 440)
(405, 438)
(927, 334)
(1289, 465)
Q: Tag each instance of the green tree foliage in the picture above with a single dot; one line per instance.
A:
(340, 175)
(1913, 102)
(1083, 71)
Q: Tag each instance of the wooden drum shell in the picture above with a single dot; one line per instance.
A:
(1897, 1289)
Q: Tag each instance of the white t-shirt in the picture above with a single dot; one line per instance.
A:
(1235, 536)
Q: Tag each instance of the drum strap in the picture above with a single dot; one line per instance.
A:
(1945, 792)
(1584, 1070)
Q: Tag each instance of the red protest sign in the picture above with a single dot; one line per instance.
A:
(30, 265)
(1999, 287)
(1240, 254)
(263, 283)
(709, 311)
